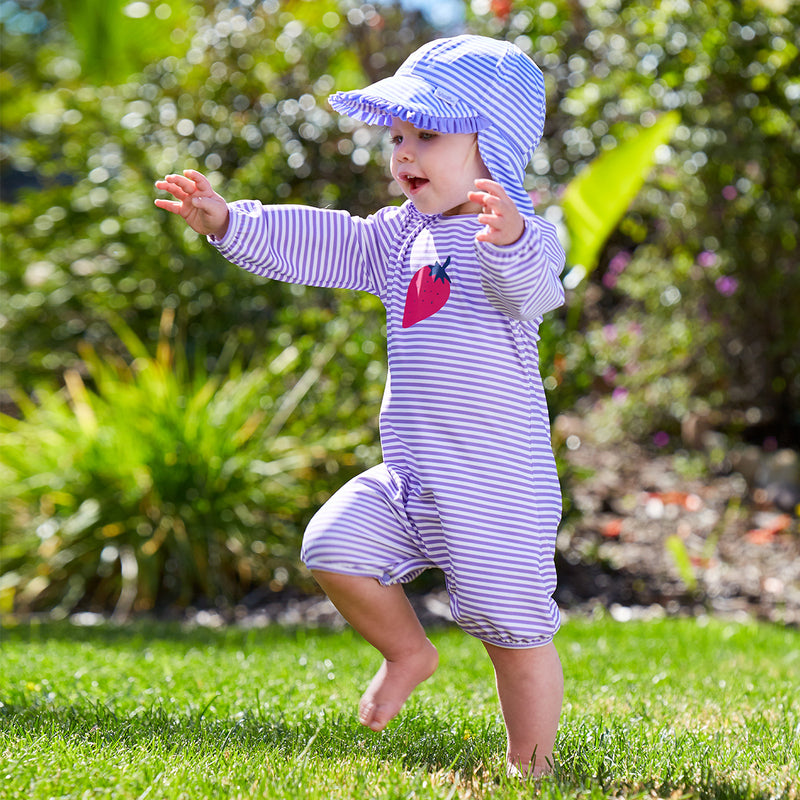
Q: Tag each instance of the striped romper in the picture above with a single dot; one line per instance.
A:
(468, 483)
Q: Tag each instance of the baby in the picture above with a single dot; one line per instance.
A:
(465, 270)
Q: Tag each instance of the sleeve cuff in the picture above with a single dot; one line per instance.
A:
(505, 253)
(225, 241)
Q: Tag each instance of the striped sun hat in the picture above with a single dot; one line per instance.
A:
(465, 84)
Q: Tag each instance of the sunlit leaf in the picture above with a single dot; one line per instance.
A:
(596, 200)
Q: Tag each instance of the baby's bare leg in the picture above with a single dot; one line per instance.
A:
(385, 618)
(530, 686)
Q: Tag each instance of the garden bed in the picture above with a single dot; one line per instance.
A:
(649, 532)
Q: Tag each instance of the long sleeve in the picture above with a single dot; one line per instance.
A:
(522, 279)
(311, 246)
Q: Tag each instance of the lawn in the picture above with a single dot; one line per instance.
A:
(666, 708)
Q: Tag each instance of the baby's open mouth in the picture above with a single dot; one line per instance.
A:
(414, 182)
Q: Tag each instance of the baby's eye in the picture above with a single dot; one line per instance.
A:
(395, 139)
(426, 136)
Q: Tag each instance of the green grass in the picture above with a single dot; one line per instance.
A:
(667, 708)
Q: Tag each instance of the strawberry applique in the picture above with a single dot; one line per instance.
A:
(427, 293)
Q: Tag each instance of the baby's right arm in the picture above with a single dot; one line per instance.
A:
(202, 208)
(291, 243)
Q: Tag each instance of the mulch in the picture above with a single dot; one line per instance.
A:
(645, 536)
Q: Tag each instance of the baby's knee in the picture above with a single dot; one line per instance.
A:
(332, 581)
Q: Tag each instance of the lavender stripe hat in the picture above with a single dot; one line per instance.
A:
(465, 84)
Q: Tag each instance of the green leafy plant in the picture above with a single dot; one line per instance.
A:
(155, 483)
(712, 238)
(238, 91)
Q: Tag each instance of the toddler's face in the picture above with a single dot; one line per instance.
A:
(436, 170)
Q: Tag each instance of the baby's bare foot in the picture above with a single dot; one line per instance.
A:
(516, 771)
(392, 685)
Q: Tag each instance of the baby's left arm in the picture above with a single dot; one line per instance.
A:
(521, 258)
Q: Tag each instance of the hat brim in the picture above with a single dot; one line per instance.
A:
(410, 99)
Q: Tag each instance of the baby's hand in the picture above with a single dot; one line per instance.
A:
(202, 208)
(500, 215)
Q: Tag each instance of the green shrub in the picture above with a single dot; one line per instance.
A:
(706, 259)
(157, 484)
(237, 92)
(690, 307)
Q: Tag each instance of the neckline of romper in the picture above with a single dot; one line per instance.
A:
(429, 220)
(413, 225)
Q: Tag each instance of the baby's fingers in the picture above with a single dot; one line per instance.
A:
(200, 181)
(488, 218)
(185, 184)
(489, 234)
(488, 202)
(490, 187)
(169, 205)
(179, 190)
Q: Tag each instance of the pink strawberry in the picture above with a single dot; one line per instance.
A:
(427, 293)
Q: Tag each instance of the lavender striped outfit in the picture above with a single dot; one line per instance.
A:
(468, 483)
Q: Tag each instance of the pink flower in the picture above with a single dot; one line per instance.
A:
(619, 262)
(726, 285)
(661, 439)
(609, 280)
(707, 259)
(635, 328)
(610, 333)
(619, 395)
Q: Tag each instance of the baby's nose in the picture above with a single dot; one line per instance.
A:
(404, 152)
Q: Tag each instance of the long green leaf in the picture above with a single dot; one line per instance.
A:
(116, 37)
(596, 200)
(677, 549)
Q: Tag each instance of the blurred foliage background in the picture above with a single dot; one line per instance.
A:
(171, 423)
